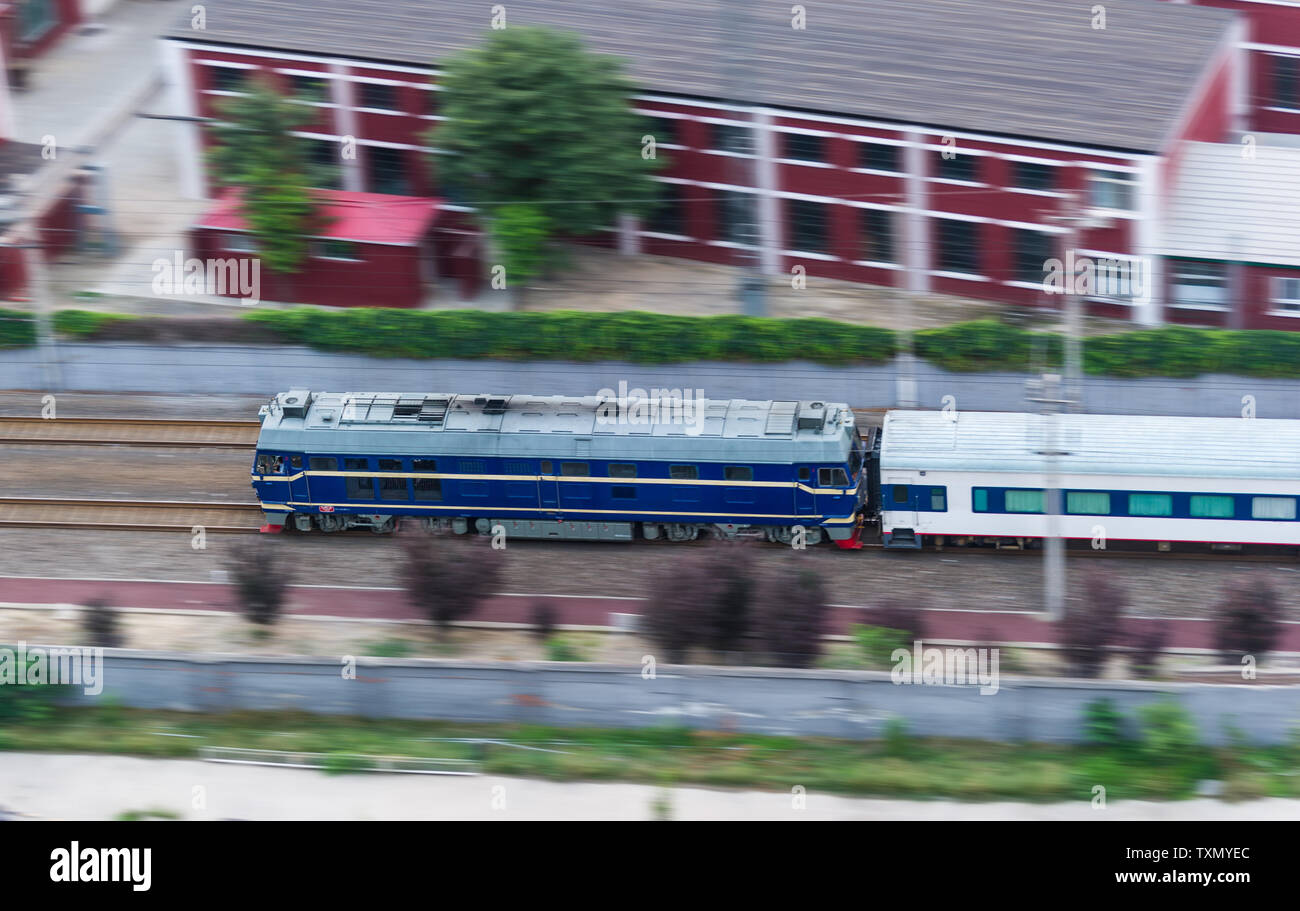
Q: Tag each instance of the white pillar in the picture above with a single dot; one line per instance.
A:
(769, 206)
(343, 92)
(181, 100)
(629, 235)
(916, 226)
(1148, 232)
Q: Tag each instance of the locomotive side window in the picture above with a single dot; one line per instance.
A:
(295, 461)
(323, 463)
(424, 465)
(392, 488)
(622, 470)
(361, 488)
(390, 464)
(805, 474)
(575, 469)
(738, 473)
(835, 477)
(263, 464)
(356, 464)
(547, 468)
(901, 494)
(683, 472)
(428, 489)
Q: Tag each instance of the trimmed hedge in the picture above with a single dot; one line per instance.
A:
(643, 338)
(654, 338)
(17, 329)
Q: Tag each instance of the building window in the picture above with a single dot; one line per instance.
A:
(669, 216)
(326, 163)
(731, 137)
(807, 226)
(877, 236)
(737, 217)
(876, 157)
(387, 170)
(1272, 507)
(1286, 82)
(1286, 294)
(957, 246)
(227, 78)
(1024, 501)
(802, 147)
(1150, 504)
(1199, 284)
(311, 89)
(958, 167)
(1030, 175)
(1206, 506)
(35, 18)
(238, 243)
(1032, 251)
(683, 472)
(664, 130)
(377, 96)
(1112, 190)
(1087, 503)
(337, 249)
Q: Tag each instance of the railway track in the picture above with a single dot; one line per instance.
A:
(163, 433)
(128, 515)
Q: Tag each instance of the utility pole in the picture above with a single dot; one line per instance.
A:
(735, 25)
(905, 357)
(1048, 395)
(1073, 219)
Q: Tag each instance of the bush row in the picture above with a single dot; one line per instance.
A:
(650, 338)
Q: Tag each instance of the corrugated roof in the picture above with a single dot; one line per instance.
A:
(374, 218)
(1032, 68)
(1228, 206)
(1093, 444)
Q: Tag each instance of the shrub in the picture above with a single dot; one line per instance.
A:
(1147, 644)
(261, 577)
(559, 648)
(1248, 621)
(85, 323)
(447, 578)
(1091, 625)
(895, 738)
(1167, 732)
(878, 643)
(728, 621)
(679, 611)
(100, 625)
(907, 617)
(790, 617)
(17, 329)
(1103, 724)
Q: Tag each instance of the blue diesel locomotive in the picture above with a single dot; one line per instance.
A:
(583, 468)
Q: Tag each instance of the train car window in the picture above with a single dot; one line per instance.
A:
(323, 463)
(471, 466)
(939, 499)
(428, 488)
(1150, 504)
(390, 464)
(393, 488)
(1272, 507)
(805, 474)
(547, 468)
(361, 488)
(979, 497)
(1087, 502)
(683, 472)
(575, 469)
(901, 494)
(1024, 500)
(356, 464)
(295, 461)
(424, 465)
(1204, 506)
(738, 473)
(832, 477)
(622, 470)
(263, 464)
(619, 492)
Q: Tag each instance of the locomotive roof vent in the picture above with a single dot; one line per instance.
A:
(812, 416)
(295, 403)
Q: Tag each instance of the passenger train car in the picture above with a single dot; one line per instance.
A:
(589, 468)
(978, 477)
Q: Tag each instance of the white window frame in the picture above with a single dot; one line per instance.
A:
(1284, 303)
(1104, 177)
(1197, 302)
(237, 242)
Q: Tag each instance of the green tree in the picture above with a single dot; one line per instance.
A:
(534, 119)
(520, 231)
(257, 153)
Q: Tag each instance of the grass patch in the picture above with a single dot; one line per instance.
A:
(138, 815)
(897, 765)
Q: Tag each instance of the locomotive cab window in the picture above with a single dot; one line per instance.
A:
(263, 464)
(805, 474)
(295, 461)
(683, 472)
(738, 473)
(832, 477)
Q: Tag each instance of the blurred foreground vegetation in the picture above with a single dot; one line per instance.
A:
(649, 338)
(1155, 755)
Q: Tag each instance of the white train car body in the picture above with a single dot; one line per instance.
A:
(1121, 478)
